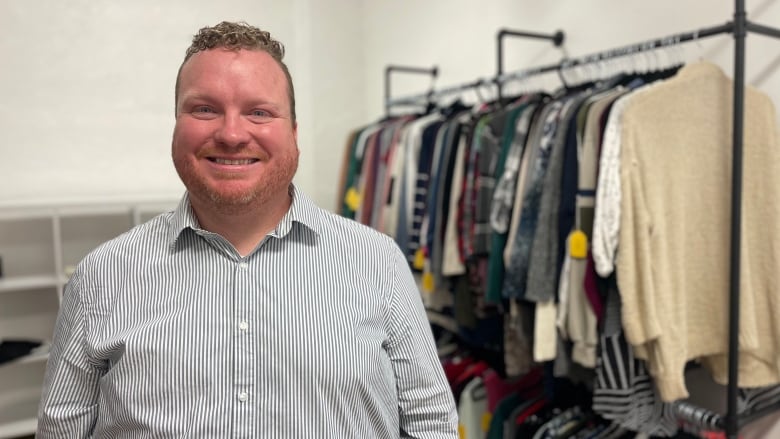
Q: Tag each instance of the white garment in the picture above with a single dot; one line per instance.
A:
(451, 264)
(472, 408)
(545, 332)
(606, 216)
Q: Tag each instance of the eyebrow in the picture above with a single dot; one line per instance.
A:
(198, 96)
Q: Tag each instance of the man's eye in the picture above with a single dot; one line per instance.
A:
(203, 109)
(260, 113)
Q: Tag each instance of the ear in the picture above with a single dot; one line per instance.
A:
(295, 132)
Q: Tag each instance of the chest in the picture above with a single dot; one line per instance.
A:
(238, 326)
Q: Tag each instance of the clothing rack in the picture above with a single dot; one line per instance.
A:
(433, 72)
(433, 95)
(557, 39)
(739, 27)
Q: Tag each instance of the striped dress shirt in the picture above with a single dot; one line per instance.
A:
(167, 332)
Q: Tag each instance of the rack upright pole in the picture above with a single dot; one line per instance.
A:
(732, 415)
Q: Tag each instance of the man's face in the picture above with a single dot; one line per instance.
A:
(234, 145)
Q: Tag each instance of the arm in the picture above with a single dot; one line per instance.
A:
(426, 405)
(69, 404)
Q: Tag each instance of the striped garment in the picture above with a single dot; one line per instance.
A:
(167, 332)
(624, 391)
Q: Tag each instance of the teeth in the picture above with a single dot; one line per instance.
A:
(233, 162)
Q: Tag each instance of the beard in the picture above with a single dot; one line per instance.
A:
(228, 199)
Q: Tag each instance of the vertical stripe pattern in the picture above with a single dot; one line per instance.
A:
(167, 332)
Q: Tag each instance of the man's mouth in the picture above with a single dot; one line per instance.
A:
(233, 162)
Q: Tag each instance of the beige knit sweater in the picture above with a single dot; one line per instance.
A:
(673, 256)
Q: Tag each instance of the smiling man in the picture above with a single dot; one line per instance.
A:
(234, 144)
(248, 311)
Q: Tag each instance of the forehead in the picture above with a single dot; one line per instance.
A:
(241, 67)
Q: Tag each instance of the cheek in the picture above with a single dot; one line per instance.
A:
(187, 137)
(281, 138)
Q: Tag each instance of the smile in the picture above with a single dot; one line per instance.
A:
(234, 162)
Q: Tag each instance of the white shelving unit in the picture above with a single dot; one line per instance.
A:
(39, 247)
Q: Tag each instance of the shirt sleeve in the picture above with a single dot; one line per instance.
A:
(606, 217)
(426, 405)
(69, 406)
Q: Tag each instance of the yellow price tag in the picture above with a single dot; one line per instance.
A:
(419, 259)
(578, 244)
(352, 198)
(486, 418)
(427, 282)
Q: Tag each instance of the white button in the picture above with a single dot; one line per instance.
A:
(243, 325)
(243, 396)
(243, 265)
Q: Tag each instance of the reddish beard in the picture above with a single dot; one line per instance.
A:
(275, 180)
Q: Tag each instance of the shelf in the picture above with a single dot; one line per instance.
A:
(11, 214)
(18, 428)
(29, 283)
(40, 245)
(19, 410)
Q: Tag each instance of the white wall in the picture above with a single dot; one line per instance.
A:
(334, 69)
(87, 90)
(86, 86)
(459, 37)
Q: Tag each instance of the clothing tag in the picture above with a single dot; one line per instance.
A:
(419, 259)
(578, 244)
(486, 418)
(514, 308)
(427, 282)
(352, 198)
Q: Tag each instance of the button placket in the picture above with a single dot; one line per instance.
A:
(243, 344)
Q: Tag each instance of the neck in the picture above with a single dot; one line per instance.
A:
(243, 228)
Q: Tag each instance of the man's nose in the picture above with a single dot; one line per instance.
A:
(232, 132)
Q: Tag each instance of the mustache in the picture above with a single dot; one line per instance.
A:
(243, 153)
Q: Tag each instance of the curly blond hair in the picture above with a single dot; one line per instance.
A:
(235, 36)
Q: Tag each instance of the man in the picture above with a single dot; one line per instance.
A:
(248, 311)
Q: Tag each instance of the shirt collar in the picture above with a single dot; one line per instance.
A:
(302, 211)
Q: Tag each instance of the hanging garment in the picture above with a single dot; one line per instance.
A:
(624, 392)
(528, 157)
(673, 261)
(350, 197)
(517, 269)
(581, 316)
(472, 409)
(543, 266)
(441, 202)
(513, 144)
(606, 221)
(452, 260)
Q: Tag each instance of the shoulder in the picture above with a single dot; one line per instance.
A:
(350, 234)
(111, 263)
(137, 243)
